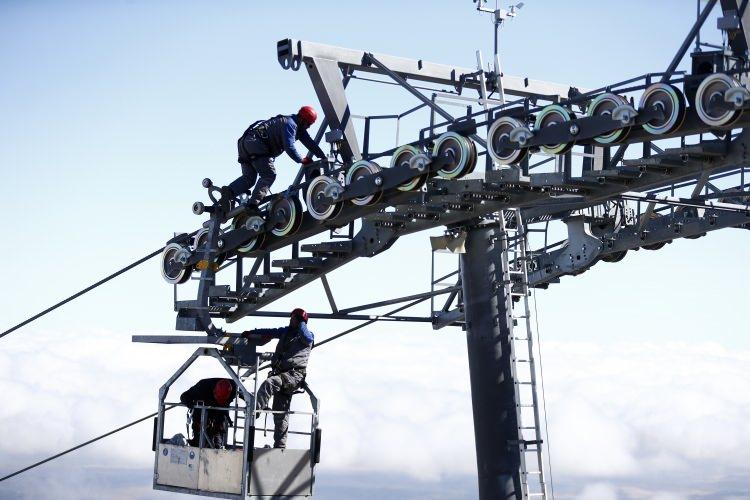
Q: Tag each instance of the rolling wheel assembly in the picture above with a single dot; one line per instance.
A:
(667, 99)
(319, 191)
(287, 216)
(715, 90)
(252, 223)
(402, 156)
(359, 170)
(456, 150)
(607, 105)
(173, 260)
(554, 114)
(200, 239)
(499, 145)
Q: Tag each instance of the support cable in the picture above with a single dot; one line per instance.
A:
(85, 290)
(544, 397)
(82, 445)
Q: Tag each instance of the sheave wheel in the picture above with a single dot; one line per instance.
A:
(554, 114)
(200, 239)
(615, 257)
(317, 205)
(670, 101)
(711, 89)
(473, 157)
(360, 169)
(252, 244)
(289, 211)
(401, 157)
(171, 270)
(603, 105)
(501, 152)
(459, 162)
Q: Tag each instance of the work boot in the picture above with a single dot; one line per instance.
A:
(251, 208)
(226, 193)
(227, 196)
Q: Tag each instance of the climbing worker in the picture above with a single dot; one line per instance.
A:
(259, 146)
(216, 392)
(288, 370)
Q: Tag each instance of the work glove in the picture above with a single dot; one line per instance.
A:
(306, 160)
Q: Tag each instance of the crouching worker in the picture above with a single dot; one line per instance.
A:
(259, 146)
(288, 370)
(217, 392)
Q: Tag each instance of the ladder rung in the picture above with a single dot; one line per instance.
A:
(525, 383)
(525, 405)
(532, 472)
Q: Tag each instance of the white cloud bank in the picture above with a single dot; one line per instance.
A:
(627, 420)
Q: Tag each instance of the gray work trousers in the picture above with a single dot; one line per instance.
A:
(256, 162)
(258, 167)
(281, 387)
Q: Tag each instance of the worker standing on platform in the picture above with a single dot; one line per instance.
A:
(259, 146)
(216, 392)
(288, 370)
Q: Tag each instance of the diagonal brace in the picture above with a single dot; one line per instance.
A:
(416, 93)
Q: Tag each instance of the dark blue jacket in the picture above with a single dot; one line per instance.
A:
(278, 135)
(293, 349)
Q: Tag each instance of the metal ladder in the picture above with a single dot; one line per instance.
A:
(515, 258)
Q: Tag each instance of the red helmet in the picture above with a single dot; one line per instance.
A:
(307, 115)
(300, 313)
(223, 391)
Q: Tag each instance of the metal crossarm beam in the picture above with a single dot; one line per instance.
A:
(416, 93)
(292, 52)
(382, 303)
(348, 317)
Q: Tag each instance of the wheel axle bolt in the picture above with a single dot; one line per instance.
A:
(220, 243)
(378, 181)
(574, 129)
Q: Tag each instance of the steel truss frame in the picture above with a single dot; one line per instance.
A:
(595, 205)
(605, 176)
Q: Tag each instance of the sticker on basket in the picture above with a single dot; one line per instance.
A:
(178, 456)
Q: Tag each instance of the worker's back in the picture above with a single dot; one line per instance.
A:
(276, 130)
(265, 138)
(293, 349)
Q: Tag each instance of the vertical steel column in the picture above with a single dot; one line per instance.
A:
(490, 366)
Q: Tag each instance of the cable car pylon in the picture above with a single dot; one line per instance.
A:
(554, 155)
(631, 165)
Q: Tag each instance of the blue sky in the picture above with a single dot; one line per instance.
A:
(112, 113)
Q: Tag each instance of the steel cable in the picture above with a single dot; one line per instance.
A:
(36, 464)
(85, 290)
(544, 397)
(330, 339)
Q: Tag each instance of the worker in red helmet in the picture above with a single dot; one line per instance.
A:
(259, 146)
(288, 370)
(216, 392)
